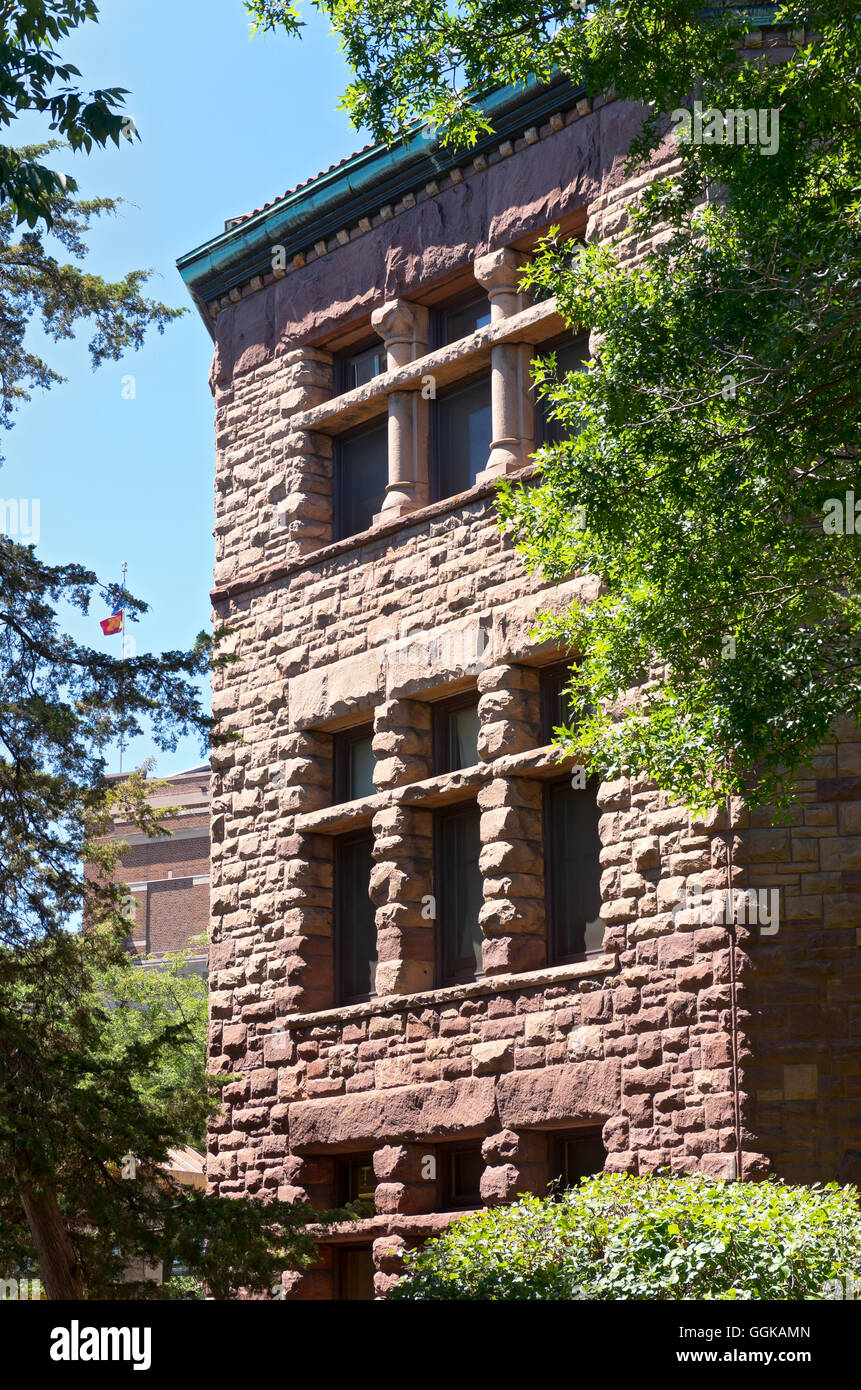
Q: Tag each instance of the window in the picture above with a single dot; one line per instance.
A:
(354, 764)
(570, 356)
(354, 1271)
(361, 475)
(357, 1180)
(573, 870)
(357, 368)
(575, 1155)
(556, 706)
(455, 734)
(355, 925)
(459, 320)
(460, 1176)
(461, 437)
(458, 893)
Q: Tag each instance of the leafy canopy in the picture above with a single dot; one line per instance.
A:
(34, 77)
(714, 436)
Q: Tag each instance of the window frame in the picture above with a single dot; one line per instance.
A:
(441, 313)
(547, 675)
(340, 1273)
(342, 842)
(346, 1162)
(342, 362)
(435, 433)
(441, 733)
(342, 744)
(379, 422)
(446, 1155)
(542, 420)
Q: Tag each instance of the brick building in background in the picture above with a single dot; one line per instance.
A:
(168, 876)
(447, 971)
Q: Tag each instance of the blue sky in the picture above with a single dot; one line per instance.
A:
(226, 123)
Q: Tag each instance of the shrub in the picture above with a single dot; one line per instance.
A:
(622, 1237)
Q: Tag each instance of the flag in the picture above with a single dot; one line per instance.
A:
(115, 622)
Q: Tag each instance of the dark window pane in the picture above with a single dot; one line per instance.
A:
(576, 1156)
(362, 471)
(463, 437)
(574, 871)
(465, 319)
(355, 1275)
(361, 1182)
(362, 367)
(354, 764)
(459, 892)
(356, 927)
(570, 357)
(557, 708)
(467, 1166)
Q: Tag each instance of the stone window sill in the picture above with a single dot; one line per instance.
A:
(396, 1223)
(446, 365)
(596, 967)
(441, 790)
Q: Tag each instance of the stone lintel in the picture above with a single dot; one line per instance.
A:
(579, 1091)
(440, 1110)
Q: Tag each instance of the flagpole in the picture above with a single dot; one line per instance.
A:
(123, 641)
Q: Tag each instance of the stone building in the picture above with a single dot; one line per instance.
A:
(446, 971)
(168, 875)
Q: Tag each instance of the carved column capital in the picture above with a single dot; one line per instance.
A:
(499, 272)
(403, 327)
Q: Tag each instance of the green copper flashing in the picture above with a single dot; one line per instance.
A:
(358, 187)
(367, 181)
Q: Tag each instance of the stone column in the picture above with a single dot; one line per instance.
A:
(403, 326)
(509, 708)
(308, 938)
(301, 493)
(516, 1163)
(512, 397)
(402, 888)
(513, 917)
(402, 743)
(402, 879)
(389, 1252)
(402, 1187)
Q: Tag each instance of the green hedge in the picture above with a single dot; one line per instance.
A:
(650, 1238)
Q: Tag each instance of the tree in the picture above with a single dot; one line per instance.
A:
(139, 1005)
(82, 1092)
(33, 77)
(85, 1135)
(710, 478)
(63, 295)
